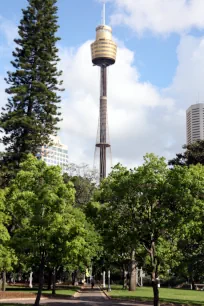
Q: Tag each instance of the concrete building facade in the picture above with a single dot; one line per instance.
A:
(195, 123)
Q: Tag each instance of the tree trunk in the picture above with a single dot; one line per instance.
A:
(124, 277)
(155, 264)
(193, 286)
(155, 290)
(132, 285)
(54, 281)
(74, 274)
(41, 279)
(49, 283)
(4, 281)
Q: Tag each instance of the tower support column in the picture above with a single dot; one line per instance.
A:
(103, 122)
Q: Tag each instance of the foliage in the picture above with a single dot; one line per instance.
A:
(84, 181)
(31, 114)
(49, 230)
(7, 256)
(84, 189)
(191, 241)
(193, 154)
(152, 207)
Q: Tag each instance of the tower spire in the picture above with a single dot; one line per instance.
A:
(104, 13)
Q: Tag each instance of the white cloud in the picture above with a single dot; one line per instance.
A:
(159, 16)
(9, 30)
(140, 117)
(187, 85)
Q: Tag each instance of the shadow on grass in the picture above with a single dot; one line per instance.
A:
(186, 301)
(163, 300)
(120, 288)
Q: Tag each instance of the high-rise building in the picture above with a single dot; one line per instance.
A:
(103, 52)
(195, 123)
(56, 154)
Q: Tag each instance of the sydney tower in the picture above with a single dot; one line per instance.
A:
(103, 52)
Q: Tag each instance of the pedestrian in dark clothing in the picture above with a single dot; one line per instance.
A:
(92, 283)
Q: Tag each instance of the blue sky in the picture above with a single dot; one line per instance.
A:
(155, 56)
(160, 48)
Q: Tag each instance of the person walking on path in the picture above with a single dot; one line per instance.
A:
(92, 283)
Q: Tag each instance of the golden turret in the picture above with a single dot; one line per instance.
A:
(104, 49)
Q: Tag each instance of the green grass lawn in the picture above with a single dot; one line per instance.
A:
(180, 296)
(68, 292)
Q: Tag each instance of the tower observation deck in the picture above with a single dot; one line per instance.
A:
(103, 52)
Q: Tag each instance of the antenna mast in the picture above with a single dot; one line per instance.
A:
(104, 14)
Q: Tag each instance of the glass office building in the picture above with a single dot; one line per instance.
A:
(195, 123)
(56, 154)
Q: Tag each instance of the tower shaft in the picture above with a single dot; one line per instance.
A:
(103, 122)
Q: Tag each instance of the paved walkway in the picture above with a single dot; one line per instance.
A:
(87, 297)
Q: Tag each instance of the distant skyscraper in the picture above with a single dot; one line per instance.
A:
(195, 123)
(56, 154)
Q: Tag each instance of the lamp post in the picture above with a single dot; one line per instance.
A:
(109, 287)
(104, 279)
(141, 276)
(31, 280)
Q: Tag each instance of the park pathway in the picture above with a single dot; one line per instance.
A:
(86, 297)
(91, 297)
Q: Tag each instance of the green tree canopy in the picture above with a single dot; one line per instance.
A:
(193, 154)
(151, 207)
(8, 258)
(84, 187)
(48, 227)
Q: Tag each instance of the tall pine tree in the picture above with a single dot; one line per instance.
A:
(32, 112)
